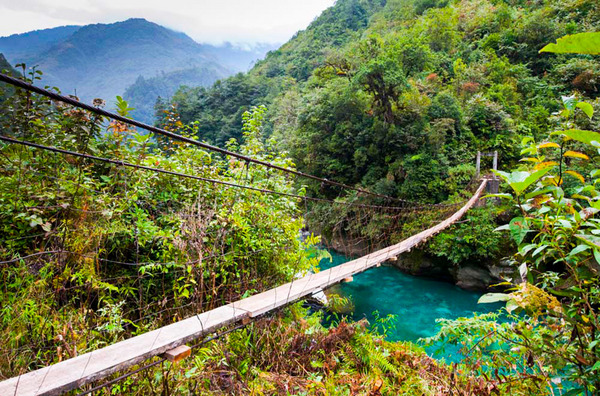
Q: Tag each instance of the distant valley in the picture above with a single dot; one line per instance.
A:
(137, 59)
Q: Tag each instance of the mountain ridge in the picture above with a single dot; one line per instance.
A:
(103, 60)
(19, 47)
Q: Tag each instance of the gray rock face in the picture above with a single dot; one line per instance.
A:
(471, 276)
(418, 263)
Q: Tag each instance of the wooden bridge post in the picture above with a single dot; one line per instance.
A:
(494, 184)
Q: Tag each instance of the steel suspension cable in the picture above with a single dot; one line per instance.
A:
(98, 111)
(185, 175)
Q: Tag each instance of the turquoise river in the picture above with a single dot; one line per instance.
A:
(416, 301)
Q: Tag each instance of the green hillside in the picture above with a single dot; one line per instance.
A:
(5, 67)
(145, 91)
(399, 94)
(219, 109)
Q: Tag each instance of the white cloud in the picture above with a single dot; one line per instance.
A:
(214, 21)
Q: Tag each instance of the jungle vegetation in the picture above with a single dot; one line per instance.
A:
(396, 96)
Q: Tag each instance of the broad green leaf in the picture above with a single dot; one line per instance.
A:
(565, 223)
(586, 137)
(539, 250)
(539, 192)
(579, 249)
(529, 150)
(581, 43)
(518, 229)
(591, 240)
(544, 209)
(506, 196)
(520, 180)
(526, 248)
(586, 108)
(511, 305)
(597, 255)
(526, 140)
(493, 298)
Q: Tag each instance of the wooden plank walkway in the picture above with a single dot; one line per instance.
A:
(73, 373)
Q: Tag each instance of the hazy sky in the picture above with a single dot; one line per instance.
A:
(214, 21)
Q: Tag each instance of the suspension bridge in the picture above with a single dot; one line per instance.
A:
(171, 341)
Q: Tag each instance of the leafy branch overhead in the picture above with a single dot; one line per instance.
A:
(558, 237)
(581, 43)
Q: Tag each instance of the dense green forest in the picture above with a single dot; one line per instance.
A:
(393, 96)
(145, 92)
(401, 94)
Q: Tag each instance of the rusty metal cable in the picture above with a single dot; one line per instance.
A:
(96, 110)
(179, 174)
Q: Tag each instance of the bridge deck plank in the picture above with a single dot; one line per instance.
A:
(73, 373)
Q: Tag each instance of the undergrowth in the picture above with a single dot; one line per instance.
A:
(291, 353)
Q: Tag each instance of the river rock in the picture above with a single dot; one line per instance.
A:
(473, 278)
(419, 263)
(470, 276)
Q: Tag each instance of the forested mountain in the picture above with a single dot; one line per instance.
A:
(219, 109)
(102, 60)
(5, 67)
(144, 93)
(400, 93)
(27, 46)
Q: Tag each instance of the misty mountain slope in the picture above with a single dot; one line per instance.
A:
(23, 47)
(5, 67)
(102, 60)
(142, 94)
(240, 59)
(134, 58)
(4, 64)
(219, 109)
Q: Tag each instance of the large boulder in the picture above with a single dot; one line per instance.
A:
(470, 276)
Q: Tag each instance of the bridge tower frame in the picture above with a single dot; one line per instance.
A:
(493, 184)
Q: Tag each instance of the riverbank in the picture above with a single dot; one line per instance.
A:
(416, 302)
